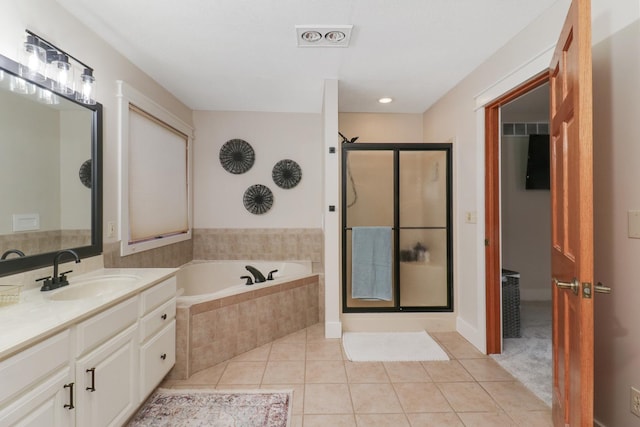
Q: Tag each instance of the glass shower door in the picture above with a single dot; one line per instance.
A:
(369, 203)
(405, 189)
(423, 215)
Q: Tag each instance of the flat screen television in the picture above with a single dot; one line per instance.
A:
(538, 173)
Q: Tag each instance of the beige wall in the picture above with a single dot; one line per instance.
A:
(274, 137)
(526, 223)
(47, 19)
(373, 127)
(616, 31)
(616, 96)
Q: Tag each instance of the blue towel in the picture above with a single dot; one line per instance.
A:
(371, 263)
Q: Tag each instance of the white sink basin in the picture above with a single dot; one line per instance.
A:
(95, 287)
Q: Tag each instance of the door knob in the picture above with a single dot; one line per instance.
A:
(600, 288)
(574, 285)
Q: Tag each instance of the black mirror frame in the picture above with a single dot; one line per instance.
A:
(31, 262)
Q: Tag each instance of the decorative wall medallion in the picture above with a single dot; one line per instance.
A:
(286, 174)
(85, 173)
(258, 199)
(237, 156)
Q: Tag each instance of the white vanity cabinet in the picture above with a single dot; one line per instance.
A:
(96, 372)
(36, 385)
(106, 390)
(157, 335)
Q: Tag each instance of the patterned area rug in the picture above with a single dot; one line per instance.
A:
(217, 408)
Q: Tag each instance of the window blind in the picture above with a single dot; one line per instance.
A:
(158, 180)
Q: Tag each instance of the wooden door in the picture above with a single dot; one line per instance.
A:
(572, 220)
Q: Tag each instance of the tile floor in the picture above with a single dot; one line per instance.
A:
(469, 390)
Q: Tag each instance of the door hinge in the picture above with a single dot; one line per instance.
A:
(586, 290)
(486, 242)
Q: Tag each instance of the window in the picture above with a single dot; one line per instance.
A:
(155, 174)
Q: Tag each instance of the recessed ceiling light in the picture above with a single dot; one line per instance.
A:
(311, 36)
(334, 36)
(323, 35)
(385, 100)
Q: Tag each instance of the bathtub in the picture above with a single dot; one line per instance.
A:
(200, 281)
(219, 317)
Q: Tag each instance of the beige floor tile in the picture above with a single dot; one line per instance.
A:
(406, 372)
(486, 370)
(457, 346)
(288, 350)
(366, 372)
(468, 397)
(256, 355)
(447, 371)
(243, 373)
(329, 421)
(324, 350)
(298, 394)
(299, 336)
(315, 332)
(512, 396)
(485, 419)
(284, 372)
(296, 421)
(421, 397)
(532, 418)
(207, 376)
(327, 399)
(448, 419)
(381, 420)
(237, 387)
(374, 399)
(325, 371)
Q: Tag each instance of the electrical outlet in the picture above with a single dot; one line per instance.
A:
(635, 402)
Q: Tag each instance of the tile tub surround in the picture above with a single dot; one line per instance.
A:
(277, 244)
(211, 332)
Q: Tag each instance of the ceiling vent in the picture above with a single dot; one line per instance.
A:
(323, 35)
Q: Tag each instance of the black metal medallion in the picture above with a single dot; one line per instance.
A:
(258, 199)
(286, 174)
(237, 156)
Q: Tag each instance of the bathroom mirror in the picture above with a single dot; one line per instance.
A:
(51, 173)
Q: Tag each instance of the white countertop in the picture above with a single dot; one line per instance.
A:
(37, 316)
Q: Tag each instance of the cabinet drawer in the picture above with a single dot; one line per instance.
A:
(153, 297)
(157, 319)
(22, 370)
(157, 357)
(105, 325)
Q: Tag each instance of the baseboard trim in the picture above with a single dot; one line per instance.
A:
(333, 329)
(472, 334)
(598, 423)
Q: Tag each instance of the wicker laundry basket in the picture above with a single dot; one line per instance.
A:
(510, 304)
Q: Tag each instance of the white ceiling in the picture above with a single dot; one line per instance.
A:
(242, 55)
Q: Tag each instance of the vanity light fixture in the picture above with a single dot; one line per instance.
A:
(33, 59)
(323, 35)
(385, 100)
(42, 61)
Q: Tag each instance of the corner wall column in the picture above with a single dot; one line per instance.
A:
(331, 219)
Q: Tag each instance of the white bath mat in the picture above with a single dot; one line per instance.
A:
(391, 347)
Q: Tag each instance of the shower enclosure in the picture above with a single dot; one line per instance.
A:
(405, 188)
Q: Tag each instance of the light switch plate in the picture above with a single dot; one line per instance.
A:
(634, 224)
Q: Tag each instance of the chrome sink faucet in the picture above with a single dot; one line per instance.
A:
(57, 281)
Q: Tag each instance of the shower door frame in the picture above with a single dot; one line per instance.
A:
(397, 148)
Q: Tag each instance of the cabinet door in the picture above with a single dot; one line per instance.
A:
(47, 404)
(157, 357)
(106, 382)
